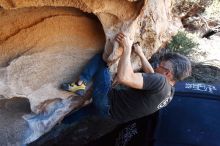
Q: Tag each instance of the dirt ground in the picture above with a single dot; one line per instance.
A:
(205, 74)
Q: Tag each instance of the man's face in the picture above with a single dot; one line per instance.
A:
(164, 68)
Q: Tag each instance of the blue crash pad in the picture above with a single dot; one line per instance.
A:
(192, 118)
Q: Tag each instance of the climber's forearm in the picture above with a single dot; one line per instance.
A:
(125, 69)
(126, 75)
(146, 66)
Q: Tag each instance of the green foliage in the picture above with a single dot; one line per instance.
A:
(181, 43)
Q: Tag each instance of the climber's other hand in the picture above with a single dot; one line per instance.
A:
(124, 40)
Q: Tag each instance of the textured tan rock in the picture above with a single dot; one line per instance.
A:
(40, 48)
(43, 46)
(45, 43)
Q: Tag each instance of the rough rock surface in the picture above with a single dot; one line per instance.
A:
(43, 47)
(12, 126)
(46, 43)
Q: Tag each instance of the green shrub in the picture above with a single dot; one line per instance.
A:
(182, 44)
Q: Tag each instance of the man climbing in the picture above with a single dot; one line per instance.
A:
(146, 93)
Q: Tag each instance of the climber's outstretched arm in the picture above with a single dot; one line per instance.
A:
(146, 66)
(125, 74)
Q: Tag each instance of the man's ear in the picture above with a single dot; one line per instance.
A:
(169, 74)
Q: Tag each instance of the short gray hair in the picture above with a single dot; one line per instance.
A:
(181, 65)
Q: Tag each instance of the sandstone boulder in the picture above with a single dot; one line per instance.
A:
(46, 43)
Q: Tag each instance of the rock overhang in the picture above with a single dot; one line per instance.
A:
(45, 43)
